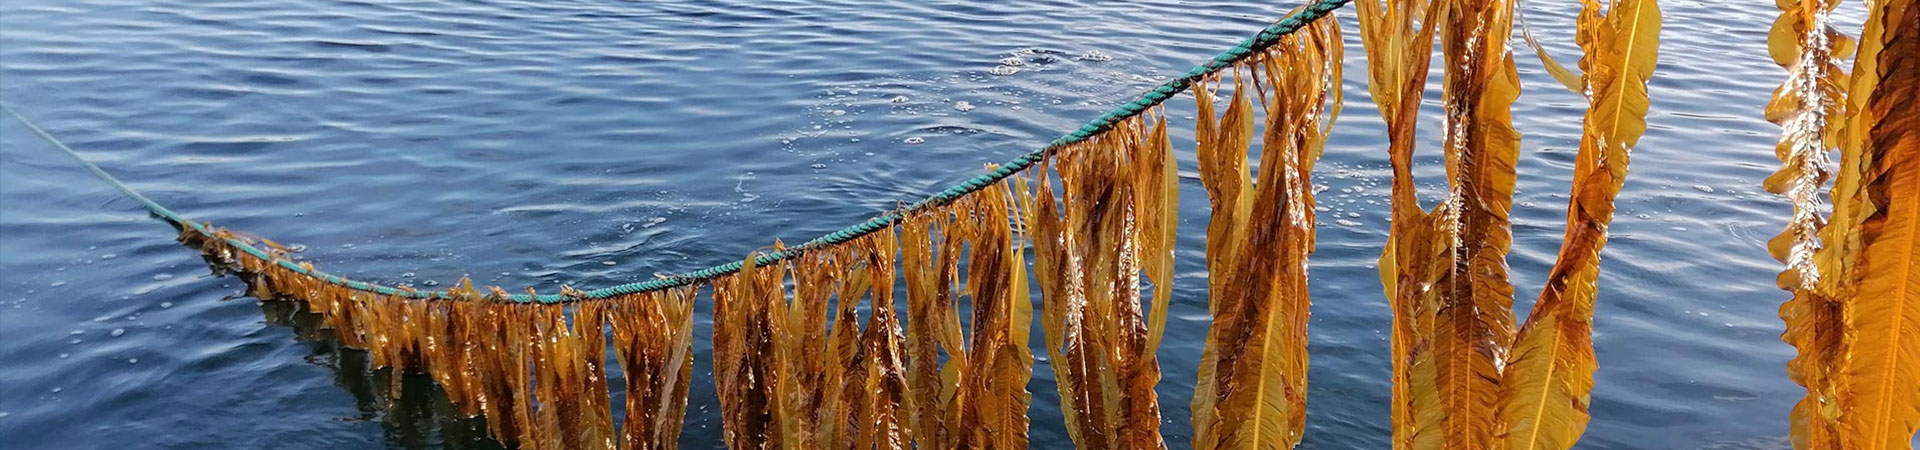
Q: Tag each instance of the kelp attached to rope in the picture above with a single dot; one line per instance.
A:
(1252, 385)
(535, 372)
(1854, 317)
(1089, 253)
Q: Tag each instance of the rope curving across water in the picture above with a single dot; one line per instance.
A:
(1259, 42)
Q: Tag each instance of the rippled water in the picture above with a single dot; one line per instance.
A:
(600, 141)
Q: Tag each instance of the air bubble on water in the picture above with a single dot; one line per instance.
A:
(1526, 204)
(609, 263)
(1347, 223)
(818, 166)
(962, 106)
(117, 332)
(109, 256)
(1644, 216)
(162, 276)
(654, 221)
(839, 112)
(346, 246)
(1703, 188)
(899, 99)
(430, 283)
(1096, 56)
(913, 140)
(1004, 70)
(1352, 214)
(165, 305)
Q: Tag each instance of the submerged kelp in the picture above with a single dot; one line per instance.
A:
(1855, 312)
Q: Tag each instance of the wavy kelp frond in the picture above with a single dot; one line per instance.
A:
(653, 339)
(1446, 271)
(1223, 142)
(1157, 203)
(887, 405)
(1089, 262)
(1399, 42)
(1881, 375)
(1806, 105)
(932, 324)
(990, 405)
(1255, 366)
(1546, 386)
(744, 359)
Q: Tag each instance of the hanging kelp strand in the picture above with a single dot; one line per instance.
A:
(653, 339)
(1089, 261)
(1445, 271)
(1804, 42)
(1544, 390)
(1252, 388)
(1398, 37)
(1855, 312)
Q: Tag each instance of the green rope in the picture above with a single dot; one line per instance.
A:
(1266, 38)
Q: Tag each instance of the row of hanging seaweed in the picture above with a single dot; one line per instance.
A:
(795, 368)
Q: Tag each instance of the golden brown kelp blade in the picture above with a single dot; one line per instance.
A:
(1252, 391)
(653, 339)
(743, 355)
(1089, 264)
(991, 403)
(932, 324)
(1544, 390)
(1806, 105)
(887, 406)
(1881, 375)
(1450, 269)
(1398, 37)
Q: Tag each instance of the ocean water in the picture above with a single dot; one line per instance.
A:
(594, 142)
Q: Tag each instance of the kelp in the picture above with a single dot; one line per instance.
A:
(1398, 37)
(1804, 42)
(1463, 378)
(1252, 387)
(1855, 312)
(1118, 191)
(536, 372)
(1880, 390)
(1445, 271)
(653, 339)
(977, 398)
(1545, 388)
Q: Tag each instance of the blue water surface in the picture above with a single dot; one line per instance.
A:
(594, 142)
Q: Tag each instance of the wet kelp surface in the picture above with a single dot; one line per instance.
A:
(915, 337)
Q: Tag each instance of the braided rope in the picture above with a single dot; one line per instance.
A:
(1266, 38)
